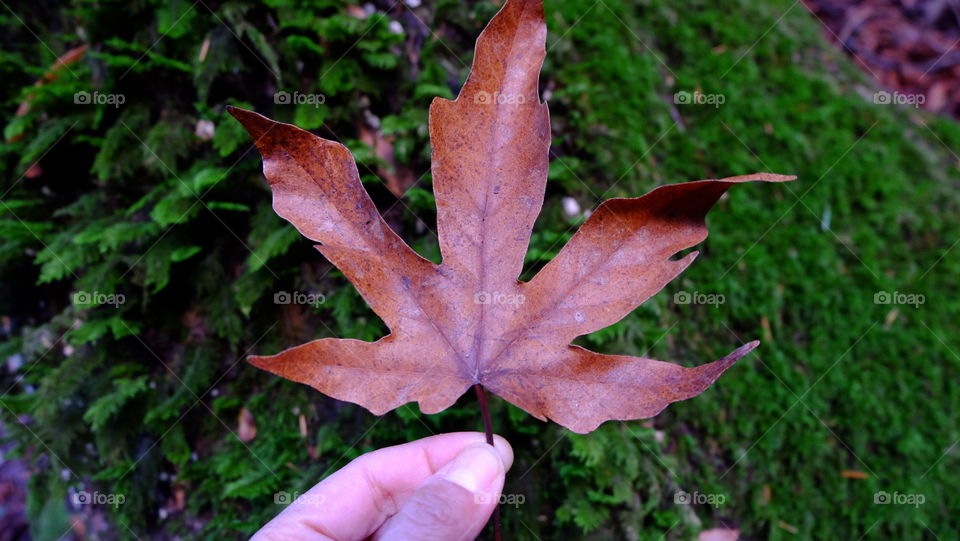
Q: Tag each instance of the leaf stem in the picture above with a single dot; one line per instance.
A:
(488, 429)
(484, 411)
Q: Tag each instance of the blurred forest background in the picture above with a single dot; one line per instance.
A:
(141, 261)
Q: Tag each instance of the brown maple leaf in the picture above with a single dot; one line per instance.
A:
(469, 321)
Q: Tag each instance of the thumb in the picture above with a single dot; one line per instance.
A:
(456, 502)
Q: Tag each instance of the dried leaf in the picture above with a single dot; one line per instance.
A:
(469, 320)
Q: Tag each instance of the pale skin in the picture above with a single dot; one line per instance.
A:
(441, 487)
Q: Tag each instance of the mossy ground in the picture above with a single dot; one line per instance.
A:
(840, 383)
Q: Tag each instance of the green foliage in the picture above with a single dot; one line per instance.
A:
(173, 231)
(103, 408)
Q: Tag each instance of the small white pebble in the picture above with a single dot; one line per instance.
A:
(205, 129)
(570, 207)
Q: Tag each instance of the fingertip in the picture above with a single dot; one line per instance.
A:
(479, 468)
(504, 450)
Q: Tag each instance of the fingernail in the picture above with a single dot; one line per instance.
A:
(475, 467)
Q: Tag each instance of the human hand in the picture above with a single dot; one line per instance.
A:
(441, 487)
